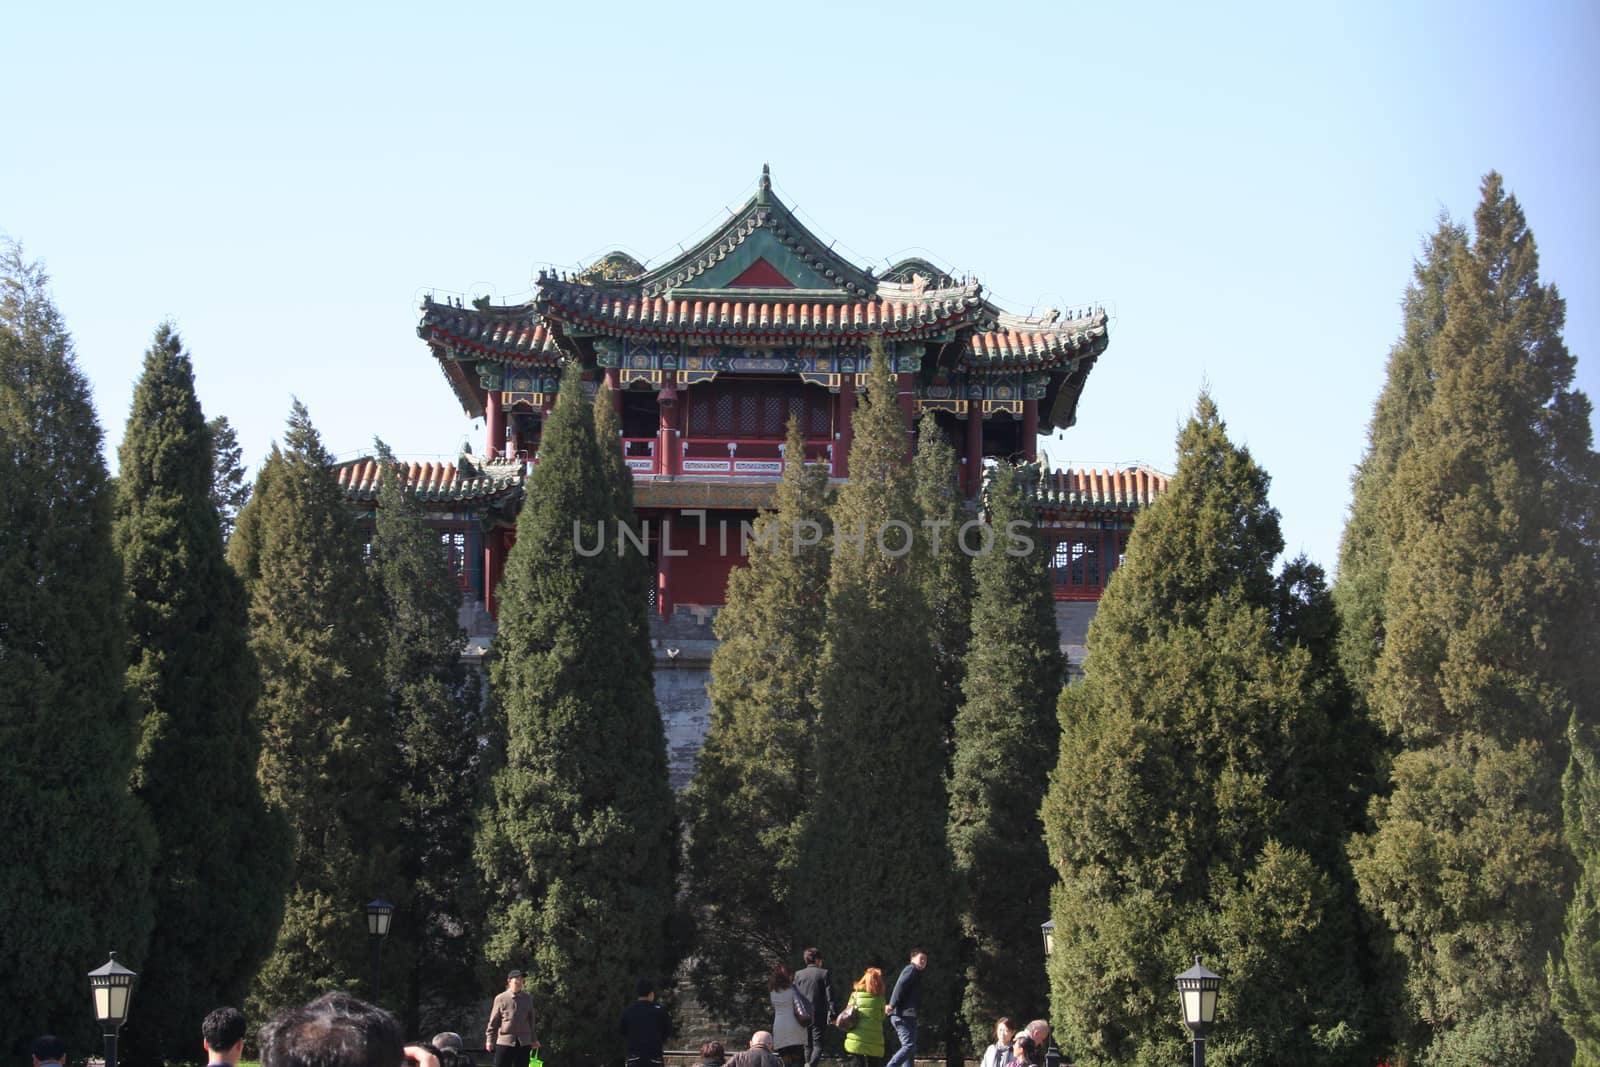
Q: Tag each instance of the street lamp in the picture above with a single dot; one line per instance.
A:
(1048, 929)
(1197, 992)
(112, 986)
(379, 914)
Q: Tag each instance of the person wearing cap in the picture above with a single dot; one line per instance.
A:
(510, 1033)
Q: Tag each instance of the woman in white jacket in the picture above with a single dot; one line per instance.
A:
(788, 1032)
(995, 1054)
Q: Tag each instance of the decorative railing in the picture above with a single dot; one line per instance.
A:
(711, 455)
(720, 455)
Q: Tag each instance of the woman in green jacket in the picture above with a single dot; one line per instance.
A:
(864, 1042)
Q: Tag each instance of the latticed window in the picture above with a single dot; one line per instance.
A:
(1075, 563)
(454, 543)
(758, 409)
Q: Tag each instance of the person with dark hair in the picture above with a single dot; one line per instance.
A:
(788, 1032)
(815, 983)
(1023, 1051)
(645, 1027)
(510, 1031)
(48, 1049)
(222, 1033)
(905, 1004)
(712, 1054)
(996, 1053)
(338, 1030)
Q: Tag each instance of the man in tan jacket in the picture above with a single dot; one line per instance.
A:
(510, 1032)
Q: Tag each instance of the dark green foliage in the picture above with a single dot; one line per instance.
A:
(874, 853)
(230, 490)
(747, 805)
(1006, 735)
(326, 757)
(576, 845)
(80, 847)
(1575, 975)
(1489, 651)
(434, 720)
(219, 883)
(1365, 549)
(1192, 809)
(946, 571)
(636, 566)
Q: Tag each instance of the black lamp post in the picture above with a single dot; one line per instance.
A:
(1197, 992)
(112, 986)
(379, 912)
(1048, 929)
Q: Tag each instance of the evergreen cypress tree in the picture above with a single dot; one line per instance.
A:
(1365, 549)
(636, 567)
(230, 490)
(576, 846)
(874, 851)
(1006, 737)
(1489, 651)
(317, 636)
(753, 779)
(435, 721)
(219, 884)
(1575, 974)
(947, 571)
(1190, 804)
(80, 846)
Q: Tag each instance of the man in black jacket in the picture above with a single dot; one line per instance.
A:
(815, 982)
(905, 1005)
(645, 1027)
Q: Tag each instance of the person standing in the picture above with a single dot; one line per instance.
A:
(510, 1031)
(905, 1003)
(788, 1032)
(49, 1051)
(996, 1053)
(222, 1033)
(815, 983)
(645, 1027)
(864, 1042)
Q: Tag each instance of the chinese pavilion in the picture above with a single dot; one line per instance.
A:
(709, 355)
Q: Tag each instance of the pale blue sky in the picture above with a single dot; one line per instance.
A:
(1244, 190)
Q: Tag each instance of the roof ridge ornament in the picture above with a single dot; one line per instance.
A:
(764, 190)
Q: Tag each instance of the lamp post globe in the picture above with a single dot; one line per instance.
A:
(379, 914)
(1197, 995)
(112, 987)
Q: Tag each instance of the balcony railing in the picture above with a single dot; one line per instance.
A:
(713, 455)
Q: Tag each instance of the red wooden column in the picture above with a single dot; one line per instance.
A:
(666, 427)
(847, 433)
(974, 447)
(496, 428)
(1030, 429)
(664, 568)
(494, 564)
(614, 379)
(906, 388)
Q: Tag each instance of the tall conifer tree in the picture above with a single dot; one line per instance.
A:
(1190, 807)
(576, 845)
(874, 850)
(1575, 973)
(1365, 549)
(947, 571)
(1489, 650)
(753, 782)
(230, 490)
(1006, 738)
(219, 884)
(326, 755)
(434, 720)
(80, 845)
